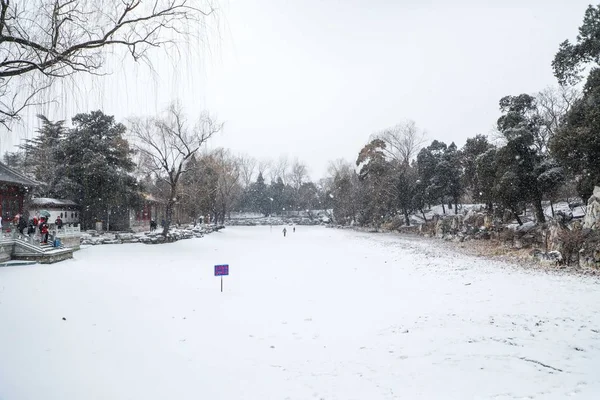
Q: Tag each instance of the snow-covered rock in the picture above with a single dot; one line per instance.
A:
(526, 227)
(592, 217)
(551, 257)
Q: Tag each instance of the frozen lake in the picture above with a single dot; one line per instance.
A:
(320, 314)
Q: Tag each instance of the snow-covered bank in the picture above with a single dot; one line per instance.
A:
(93, 237)
(322, 313)
(487, 249)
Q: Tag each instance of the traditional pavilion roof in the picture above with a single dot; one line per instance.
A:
(48, 202)
(10, 176)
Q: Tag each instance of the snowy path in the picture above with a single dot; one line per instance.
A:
(321, 314)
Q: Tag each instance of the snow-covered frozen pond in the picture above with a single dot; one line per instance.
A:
(320, 314)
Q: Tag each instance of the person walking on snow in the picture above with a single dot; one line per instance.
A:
(294, 229)
(284, 232)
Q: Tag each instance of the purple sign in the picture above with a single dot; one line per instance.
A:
(221, 270)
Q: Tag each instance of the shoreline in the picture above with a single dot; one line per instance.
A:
(490, 250)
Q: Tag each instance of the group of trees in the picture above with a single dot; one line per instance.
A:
(280, 196)
(107, 167)
(547, 146)
(219, 182)
(45, 42)
(521, 171)
(89, 163)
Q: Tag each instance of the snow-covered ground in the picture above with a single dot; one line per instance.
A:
(320, 314)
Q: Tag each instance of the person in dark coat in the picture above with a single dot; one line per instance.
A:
(31, 227)
(58, 222)
(22, 224)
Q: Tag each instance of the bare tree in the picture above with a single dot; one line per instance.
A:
(552, 105)
(228, 186)
(298, 174)
(167, 144)
(339, 166)
(280, 169)
(403, 141)
(248, 166)
(45, 40)
(263, 167)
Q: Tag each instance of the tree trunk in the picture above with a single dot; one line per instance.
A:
(406, 217)
(443, 207)
(168, 216)
(552, 208)
(517, 216)
(539, 211)
(455, 206)
(424, 217)
(169, 209)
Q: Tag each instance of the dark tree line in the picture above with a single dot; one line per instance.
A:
(277, 197)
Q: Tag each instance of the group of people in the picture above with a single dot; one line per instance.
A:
(285, 231)
(39, 223)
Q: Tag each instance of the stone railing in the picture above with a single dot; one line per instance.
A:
(69, 236)
(66, 231)
(33, 239)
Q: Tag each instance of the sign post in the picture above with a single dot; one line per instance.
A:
(222, 270)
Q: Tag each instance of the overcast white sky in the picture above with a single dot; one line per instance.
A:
(313, 79)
